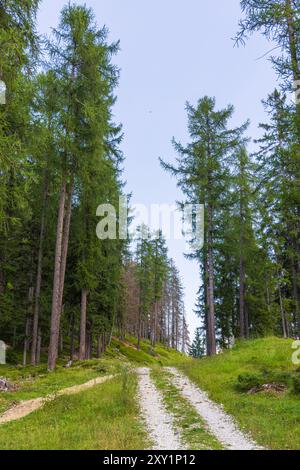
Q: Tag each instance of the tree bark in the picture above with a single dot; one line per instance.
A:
(211, 334)
(65, 244)
(82, 345)
(283, 315)
(36, 311)
(38, 348)
(54, 331)
(296, 295)
(139, 329)
(26, 341)
(99, 346)
(243, 326)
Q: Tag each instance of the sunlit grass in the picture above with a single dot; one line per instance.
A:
(105, 417)
(273, 420)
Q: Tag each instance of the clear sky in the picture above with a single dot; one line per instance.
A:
(173, 51)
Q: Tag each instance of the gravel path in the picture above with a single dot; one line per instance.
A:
(26, 407)
(219, 422)
(159, 422)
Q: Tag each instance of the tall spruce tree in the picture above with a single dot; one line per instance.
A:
(202, 172)
(279, 22)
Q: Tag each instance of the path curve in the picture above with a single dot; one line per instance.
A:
(159, 422)
(220, 423)
(26, 407)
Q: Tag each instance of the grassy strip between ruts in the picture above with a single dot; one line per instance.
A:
(194, 432)
(103, 418)
(271, 418)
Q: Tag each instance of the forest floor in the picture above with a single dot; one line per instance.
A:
(149, 404)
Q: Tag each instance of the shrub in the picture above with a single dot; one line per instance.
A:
(246, 382)
(12, 357)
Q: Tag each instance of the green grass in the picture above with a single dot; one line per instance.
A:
(194, 433)
(147, 356)
(273, 420)
(33, 382)
(105, 417)
(38, 382)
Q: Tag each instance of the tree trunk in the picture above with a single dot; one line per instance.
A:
(173, 323)
(65, 245)
(139, 329)
(82, 345)
(26, 341)
(38, 348)
(99, 346)
(36, 310)
(283, 315)
(54, 331)
(295, 295)
(211, 334)
(103, 343)
(243, 326)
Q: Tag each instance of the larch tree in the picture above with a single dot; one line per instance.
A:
(18, 53)
(81, 61)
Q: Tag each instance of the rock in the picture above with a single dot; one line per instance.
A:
(272, 387)
(6, 386)
(68, 365)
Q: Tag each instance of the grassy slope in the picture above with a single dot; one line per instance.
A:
(35, 382)
(105, 417)
(273, 420)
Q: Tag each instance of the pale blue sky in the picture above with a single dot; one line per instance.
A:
(173, 51)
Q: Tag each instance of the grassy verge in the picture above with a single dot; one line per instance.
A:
(193, 430)
(271, 418)
(105, 417)
(38, 382)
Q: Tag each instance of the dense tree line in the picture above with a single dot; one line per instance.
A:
(154, 306)
(62, 290)
(250, 265)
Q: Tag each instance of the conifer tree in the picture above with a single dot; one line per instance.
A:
(197, 349)
(87, 79)
(202, 174)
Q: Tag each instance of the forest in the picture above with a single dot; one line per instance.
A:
(96, 347)
(65, 292)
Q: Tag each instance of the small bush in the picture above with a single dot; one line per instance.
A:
(101, 369)
(246, 382)
(151, 351)
(12, 357)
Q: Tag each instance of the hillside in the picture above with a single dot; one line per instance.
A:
(135, 387)
(73, 421)
(271, 416)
